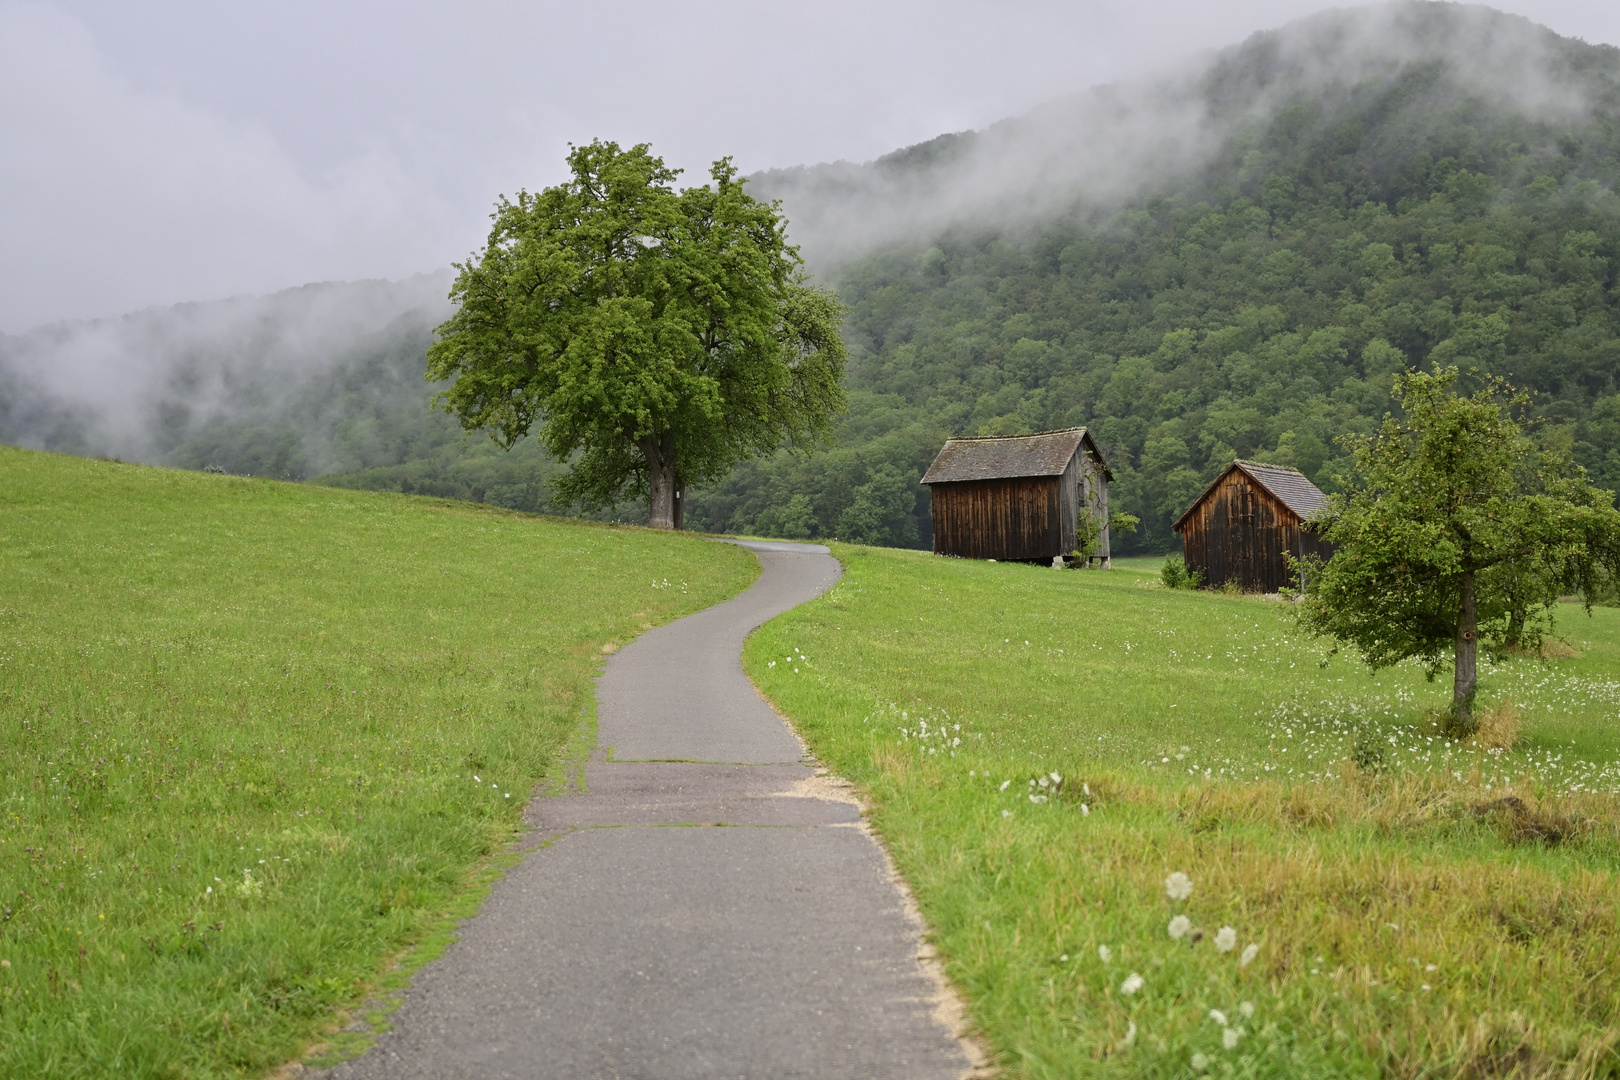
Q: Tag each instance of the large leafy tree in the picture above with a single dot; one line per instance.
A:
(653, 337)
(1456, 527)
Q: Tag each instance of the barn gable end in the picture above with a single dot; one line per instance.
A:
(1241, 526)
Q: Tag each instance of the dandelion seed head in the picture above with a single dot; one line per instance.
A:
(1130, 1033)
(1246, 1010)
(1133, 982)
(1218, 1016)
(1225, 939)
(1230, 1037)
(1105, 954)
(1005, 784)
(1250, 951)
(1199, 1062)
(1178, 886)
(1179, 927)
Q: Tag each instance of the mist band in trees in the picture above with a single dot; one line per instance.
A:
(656, 338)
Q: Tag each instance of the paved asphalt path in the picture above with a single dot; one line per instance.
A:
(705, 908)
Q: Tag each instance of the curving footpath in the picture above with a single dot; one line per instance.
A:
(704, 909)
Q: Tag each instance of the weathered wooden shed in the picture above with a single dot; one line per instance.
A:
(1239, 528)
(1018, 497)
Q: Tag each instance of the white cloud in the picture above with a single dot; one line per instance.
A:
(115, 198)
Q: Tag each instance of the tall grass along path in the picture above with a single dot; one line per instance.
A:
(695, 908)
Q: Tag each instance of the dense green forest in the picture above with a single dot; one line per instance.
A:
(1352, 219)
(1258, 309)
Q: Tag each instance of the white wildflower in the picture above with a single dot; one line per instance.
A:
(1246, 1010)
(1225, 939)
(1130, 1033)
(1199, 1062)
(1179, 927)
(1005, 784)
(1056, 779)
(1006, 813)
(1085, 787)
(1178, 886)
(1085, 811)
(1105, 954)
(1133, 982)
(1250, 951)
(1230, 1037)
(1218, 1016)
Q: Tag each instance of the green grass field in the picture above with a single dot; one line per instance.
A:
(1043, 749)
(259, 740)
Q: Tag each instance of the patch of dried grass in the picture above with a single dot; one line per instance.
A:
(1380, 916)
(1549, 649)
(1498, 726)
(1406, 805)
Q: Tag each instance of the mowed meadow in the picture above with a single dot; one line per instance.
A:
(1158, 833)
(260, 743)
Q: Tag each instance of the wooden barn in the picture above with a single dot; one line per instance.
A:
(1239, 528)
(1018, 497)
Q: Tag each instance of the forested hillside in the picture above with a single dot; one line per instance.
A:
(1234, 259)
(319, 381)
(1257, 308)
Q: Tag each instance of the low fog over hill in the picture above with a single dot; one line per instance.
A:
(1098, 149)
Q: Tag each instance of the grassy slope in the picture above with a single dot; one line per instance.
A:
(1398, 932)
(239, 727)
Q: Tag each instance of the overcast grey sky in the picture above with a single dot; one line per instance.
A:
(164, 150)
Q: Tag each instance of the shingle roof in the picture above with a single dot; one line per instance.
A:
(1290, 487)
(1002, 457)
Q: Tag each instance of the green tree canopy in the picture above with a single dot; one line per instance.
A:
(657, 338)
(1454, 527)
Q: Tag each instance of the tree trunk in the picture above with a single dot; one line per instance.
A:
(1518, 615)
(660, 455)
(1467, 668)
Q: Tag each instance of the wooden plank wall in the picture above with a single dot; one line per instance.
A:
(1240, 533)
(1020, 518)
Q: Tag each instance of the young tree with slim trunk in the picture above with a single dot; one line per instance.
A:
(1454, 529)
(656, 337)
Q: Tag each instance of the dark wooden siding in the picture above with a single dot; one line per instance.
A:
(1239, 533)
(1020, 518)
